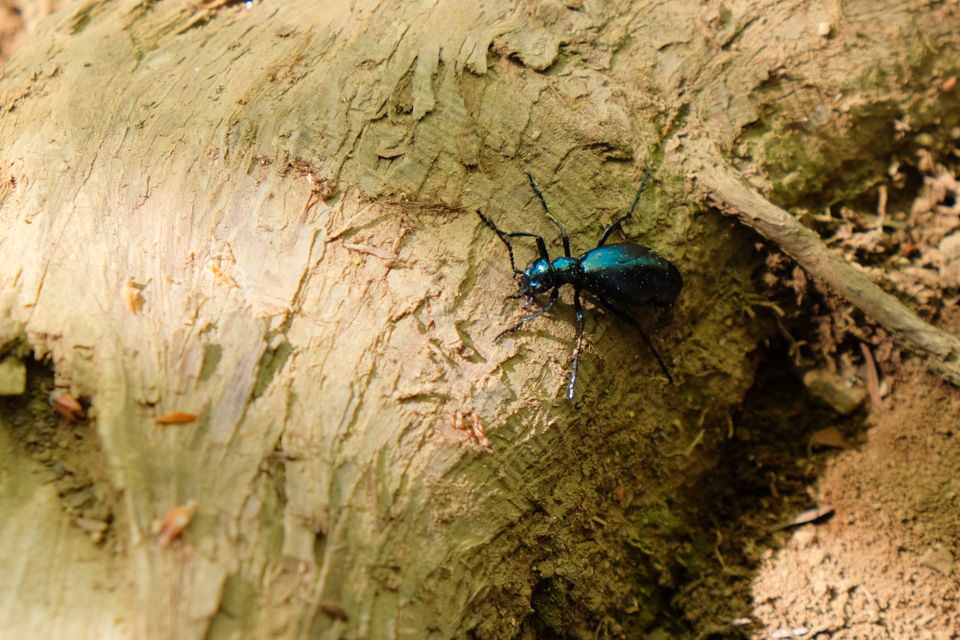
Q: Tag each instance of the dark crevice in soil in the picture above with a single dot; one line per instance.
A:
(742, 508)
(68, 447)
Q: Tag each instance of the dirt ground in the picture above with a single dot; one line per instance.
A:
(874, 496)
(829, 525)
(834, 499)
(883, 565)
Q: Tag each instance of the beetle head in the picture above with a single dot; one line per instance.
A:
(535, 278)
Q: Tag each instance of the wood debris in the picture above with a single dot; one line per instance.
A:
(175, 522)
(175, 417)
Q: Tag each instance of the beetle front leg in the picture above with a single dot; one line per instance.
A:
(553, 300)
(576, 352)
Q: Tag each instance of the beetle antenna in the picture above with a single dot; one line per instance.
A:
(619, 221)
(646, 176)
(500, 234)
(563, 232)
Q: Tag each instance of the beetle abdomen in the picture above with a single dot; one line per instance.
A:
(630, 273)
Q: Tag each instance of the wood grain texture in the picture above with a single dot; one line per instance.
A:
(290, 187)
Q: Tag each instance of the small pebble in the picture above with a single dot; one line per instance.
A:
(939, 559)
(13, 377)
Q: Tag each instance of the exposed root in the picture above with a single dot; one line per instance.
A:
(733, 196)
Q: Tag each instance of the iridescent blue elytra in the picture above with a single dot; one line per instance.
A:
(624, 272)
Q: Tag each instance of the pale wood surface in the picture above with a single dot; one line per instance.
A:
(327, 345)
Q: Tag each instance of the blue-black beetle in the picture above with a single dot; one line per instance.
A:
(624, 272)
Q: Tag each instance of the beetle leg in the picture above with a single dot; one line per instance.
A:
(541, 245)
(553, 301)
(563, 232)
(624, 315)
(576, 351)
(616, 223)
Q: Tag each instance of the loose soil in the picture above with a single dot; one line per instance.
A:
(880, 561)
(883, 565)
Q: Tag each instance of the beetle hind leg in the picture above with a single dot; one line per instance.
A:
(576, 351)
(643, 334)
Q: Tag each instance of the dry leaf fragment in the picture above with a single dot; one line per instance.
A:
(829, 437)
(176, 417)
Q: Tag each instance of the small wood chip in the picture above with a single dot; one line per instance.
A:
(132, 299)
(478, 434)
(175, 418)
(939, 559)
(219, 274)
(873, 379)
(334, 610)
(90, 525)
(66, 405)
(175, 522)
(373, 251)
(811, 515)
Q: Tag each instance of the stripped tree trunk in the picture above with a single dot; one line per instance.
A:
(263, 216)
